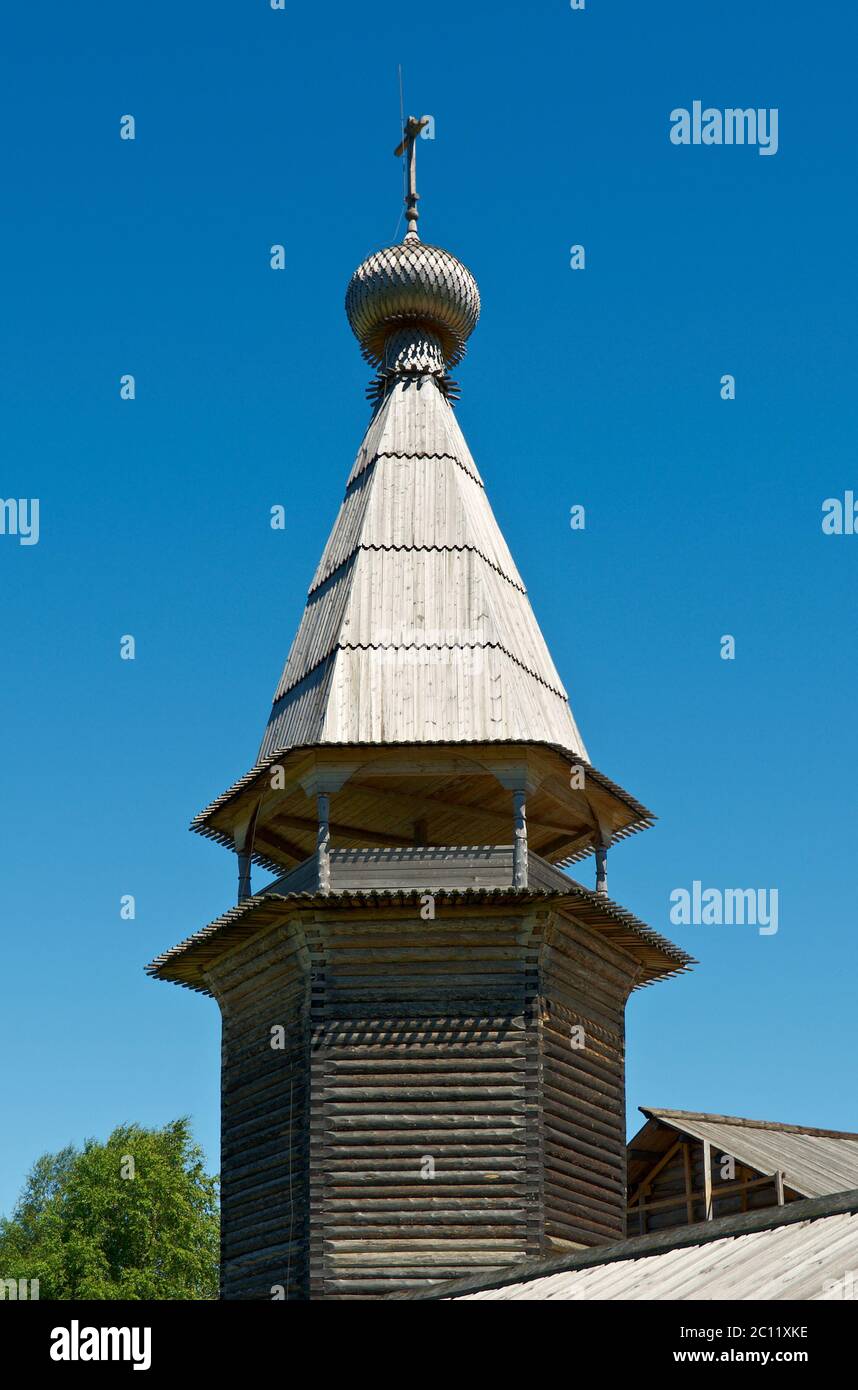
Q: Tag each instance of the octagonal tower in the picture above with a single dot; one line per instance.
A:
(423, 1014)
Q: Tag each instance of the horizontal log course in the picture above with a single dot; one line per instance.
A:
(427, 1115)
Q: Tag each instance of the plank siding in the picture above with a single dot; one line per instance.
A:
(470, 866)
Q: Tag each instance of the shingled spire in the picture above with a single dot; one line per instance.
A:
(418, 632)
(401, 1100)
(417, 626)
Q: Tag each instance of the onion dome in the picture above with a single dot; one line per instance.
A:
(417, 287)
(412, 307)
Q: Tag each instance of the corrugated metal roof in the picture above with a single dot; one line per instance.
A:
(417, 626)
(793, 1252)
(813, 1162)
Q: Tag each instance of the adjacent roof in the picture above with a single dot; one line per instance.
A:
(417, 626)
(805, 1251)
(814, 1162)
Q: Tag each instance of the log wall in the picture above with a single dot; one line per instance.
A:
(427, 1116)
(265, 1116)
(585, 986)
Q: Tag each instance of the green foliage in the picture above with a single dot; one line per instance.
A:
(136, 1218)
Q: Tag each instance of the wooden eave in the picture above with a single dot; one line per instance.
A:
(451, 789)
(186, 964)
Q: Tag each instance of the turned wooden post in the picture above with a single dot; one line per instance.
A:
(323, 842)
(519, 851)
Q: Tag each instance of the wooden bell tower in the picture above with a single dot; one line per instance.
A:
(423, 1014)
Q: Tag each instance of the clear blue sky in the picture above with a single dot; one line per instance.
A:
(601, 388)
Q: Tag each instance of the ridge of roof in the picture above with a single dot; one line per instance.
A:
(740, 1121)
(640, 1247)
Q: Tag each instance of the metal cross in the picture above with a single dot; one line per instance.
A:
(413, 127)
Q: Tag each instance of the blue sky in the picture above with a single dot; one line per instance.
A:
(599, 387)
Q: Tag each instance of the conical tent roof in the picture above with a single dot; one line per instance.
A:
(419, 691)
(418, 627)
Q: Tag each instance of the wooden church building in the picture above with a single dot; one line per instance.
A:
(423, 1014)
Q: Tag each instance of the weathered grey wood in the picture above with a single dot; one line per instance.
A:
(707, 1180)
(429, 867)
(423, 1031)
(399, 1045)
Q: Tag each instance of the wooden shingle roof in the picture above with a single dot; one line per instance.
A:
(186, 963)
(417, 626)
